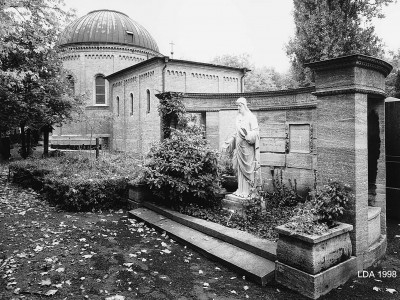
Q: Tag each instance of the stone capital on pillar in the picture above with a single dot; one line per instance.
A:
(350, 74)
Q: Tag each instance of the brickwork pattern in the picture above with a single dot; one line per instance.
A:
(135, 128)
(84, 63)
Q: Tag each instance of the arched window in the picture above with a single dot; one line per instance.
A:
(100, 89)
(148, 101)
(131, 104)
(71, 85)
(117, 106)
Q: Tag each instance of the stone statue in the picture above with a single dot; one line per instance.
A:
(244, 145)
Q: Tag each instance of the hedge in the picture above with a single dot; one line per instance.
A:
(77, 183)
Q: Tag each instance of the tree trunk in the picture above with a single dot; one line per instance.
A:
(4, 148)
(28, 142)
(23, 152)
(46, 131)
(97, 148)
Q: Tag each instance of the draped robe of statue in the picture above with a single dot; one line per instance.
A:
(246, 152)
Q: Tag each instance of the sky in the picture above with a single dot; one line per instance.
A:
(203, 29)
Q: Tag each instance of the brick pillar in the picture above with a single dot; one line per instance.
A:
(348, 88)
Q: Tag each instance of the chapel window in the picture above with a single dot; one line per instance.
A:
(117, 106)
(100, 89)
(131, 104)
(148, 101)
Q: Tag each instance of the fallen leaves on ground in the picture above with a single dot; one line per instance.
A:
(104, 255)
(53, 254)
(392, 291)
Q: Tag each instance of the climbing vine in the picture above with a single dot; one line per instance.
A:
(172, 110)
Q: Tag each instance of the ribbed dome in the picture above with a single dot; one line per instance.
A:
(107, 26)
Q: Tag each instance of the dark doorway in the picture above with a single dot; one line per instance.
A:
(374, 146)
(392, 146)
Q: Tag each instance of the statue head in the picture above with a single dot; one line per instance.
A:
(242, 105)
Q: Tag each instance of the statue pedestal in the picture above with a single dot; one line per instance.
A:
(232, 202)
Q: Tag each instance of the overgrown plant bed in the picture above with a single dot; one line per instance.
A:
(262, 226)
(79, 183)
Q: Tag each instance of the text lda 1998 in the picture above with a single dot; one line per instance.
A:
(377, 274)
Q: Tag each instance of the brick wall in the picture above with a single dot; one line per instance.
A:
(135, 127)
(135, 130)
(84, 63)
(189, 77)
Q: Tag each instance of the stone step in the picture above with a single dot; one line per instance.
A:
(238, 238)
(254, 267)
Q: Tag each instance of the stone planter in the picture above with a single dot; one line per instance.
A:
(137, 194)
(314, 264)
(230, 183)
(314, 253)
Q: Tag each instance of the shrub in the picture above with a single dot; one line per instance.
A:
(331, 200)
(79, 194)
(226, 166)
(283, 195)
(253, 205)
(78, 183)
(306, 220)
(183, 169)
(262, 226)
(327, 204)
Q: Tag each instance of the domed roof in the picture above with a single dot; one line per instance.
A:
(107, 26)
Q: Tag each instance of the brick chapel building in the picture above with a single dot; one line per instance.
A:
(116, 64)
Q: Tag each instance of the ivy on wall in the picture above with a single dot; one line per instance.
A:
(171, 110)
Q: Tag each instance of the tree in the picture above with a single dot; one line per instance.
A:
(392, 82)
(93, 121)
(235, 61)
(33, 85)
(331, 28)
(258, 79)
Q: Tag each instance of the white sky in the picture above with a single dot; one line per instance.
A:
(203, 29)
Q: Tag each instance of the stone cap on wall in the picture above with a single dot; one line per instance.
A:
(355, 60)
(267, 100)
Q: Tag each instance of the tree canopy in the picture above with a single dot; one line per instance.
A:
(392, 82)
(34, 87)
(332, 28)
(257, 79)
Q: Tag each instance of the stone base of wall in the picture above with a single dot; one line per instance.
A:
(374, 224)
(137, 194)
(375, 252)
(314, 286)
